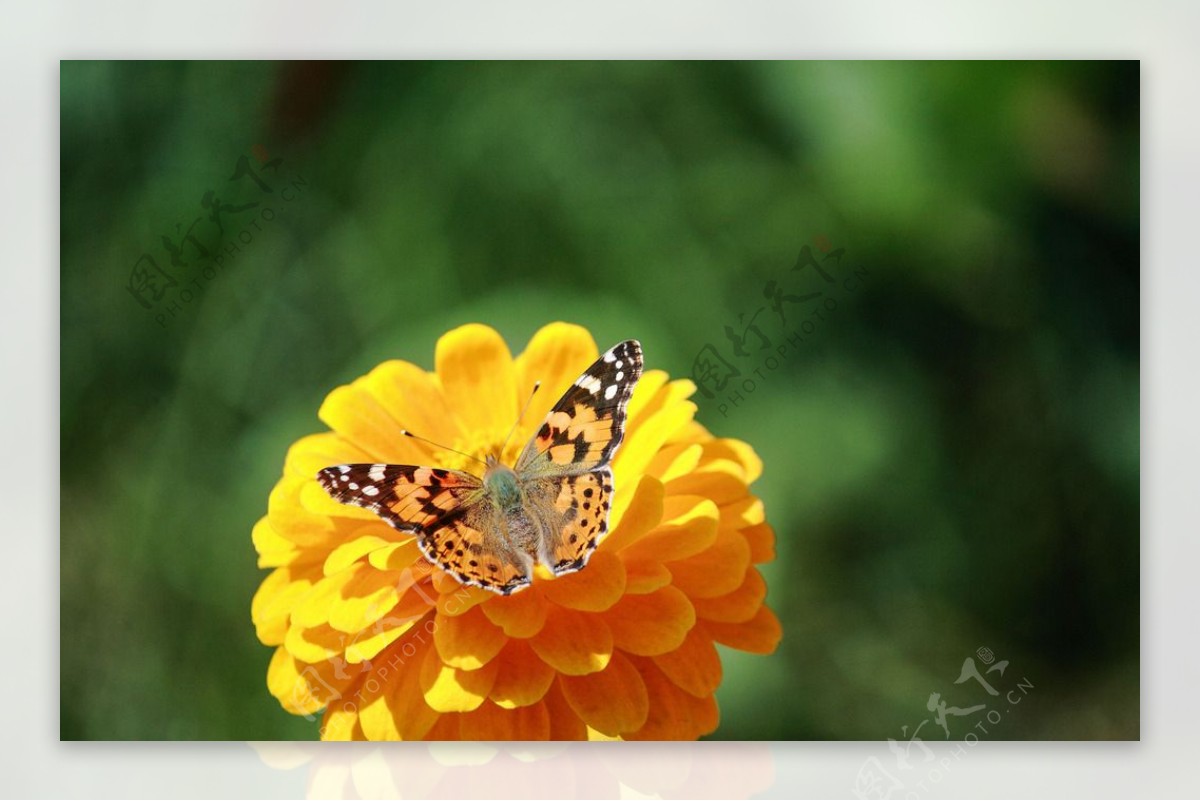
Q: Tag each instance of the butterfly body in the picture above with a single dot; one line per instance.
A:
(551, 507)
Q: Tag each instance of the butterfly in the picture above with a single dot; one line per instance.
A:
(551, 507)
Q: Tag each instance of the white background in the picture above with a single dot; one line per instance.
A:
(1163, 35)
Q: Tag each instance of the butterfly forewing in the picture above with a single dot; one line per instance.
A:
(584, 429)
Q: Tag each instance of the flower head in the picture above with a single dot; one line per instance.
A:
(393, 648)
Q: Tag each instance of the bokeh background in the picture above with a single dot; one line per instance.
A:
(952, 454)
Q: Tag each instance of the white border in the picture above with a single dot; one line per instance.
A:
(36, 36)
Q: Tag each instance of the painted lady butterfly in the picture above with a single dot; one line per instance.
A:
(551, 507)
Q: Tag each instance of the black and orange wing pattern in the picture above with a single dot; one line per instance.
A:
(568, 460)
(447, 510)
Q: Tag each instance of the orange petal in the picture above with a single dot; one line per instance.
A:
(490, 722)
(456, 597)
(645, 575)
(723, 480)
(695, 666)
(575, 643)
(689, 526)
(761, 539)
(564, 723)
(522, 677)
(738, 451)
(468, 641)
(651, 624)
(717, 570)
(759, 635)
(314, 645)
(674, 714)
(521, 614)
(448, 689)
(737, 606)
(478, 379)
(595, 588)
(612, 701)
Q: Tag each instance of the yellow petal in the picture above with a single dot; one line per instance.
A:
(674, 461)
(575, 643)
(311, 454)
(303, 688)
(313, 609)
(273, 550)
(351, 551)
(397, 711)
(361, 420)
(414, 399)
(556, 355)
(477, 375)
(272, 605)
(341, 723)
(611, 701)
(738, 451)
(641, 446)
(651, 624)
(468, 641)
(455, 597)
(448, 689)
(634, 514)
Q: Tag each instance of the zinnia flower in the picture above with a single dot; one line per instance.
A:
(390, 647)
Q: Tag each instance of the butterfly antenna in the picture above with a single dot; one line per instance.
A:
(536, 386)
(408, 433)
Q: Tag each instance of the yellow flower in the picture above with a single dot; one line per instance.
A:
(392, 648)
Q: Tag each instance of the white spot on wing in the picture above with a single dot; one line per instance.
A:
(376, 472)
(611, 392)
(369, 490)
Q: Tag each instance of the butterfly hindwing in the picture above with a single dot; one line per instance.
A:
(582, 505)
(584, 429)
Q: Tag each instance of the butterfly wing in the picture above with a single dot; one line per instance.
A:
(567, 462)
(584, 429)
(447, 510)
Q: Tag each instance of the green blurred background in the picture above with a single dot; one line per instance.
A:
(951, 455)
